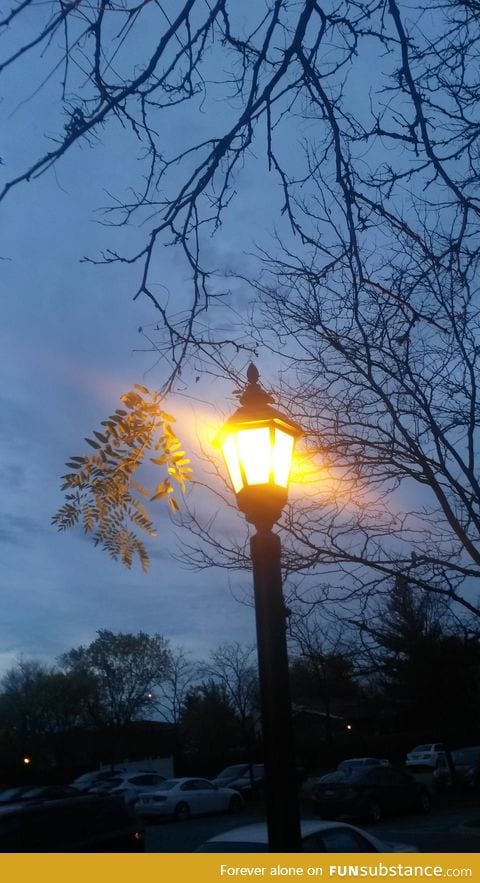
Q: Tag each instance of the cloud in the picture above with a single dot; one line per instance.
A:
(18, 529)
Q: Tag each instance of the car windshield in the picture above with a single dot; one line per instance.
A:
(112, 783)
(349, 775)
(422, 748)
(237, 770)
(10, 794)
(354, 764)
(168, 785)
(466, 756)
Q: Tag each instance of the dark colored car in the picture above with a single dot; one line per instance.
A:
(369, 793)
(11, 795)
(240, 779)
(87, 823)
(40, 793)
(467, 766)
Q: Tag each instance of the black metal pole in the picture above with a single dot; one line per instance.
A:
(279, 753)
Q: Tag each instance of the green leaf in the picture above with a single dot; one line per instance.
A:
(93, 444)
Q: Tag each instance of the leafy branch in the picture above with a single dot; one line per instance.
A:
(102, 493)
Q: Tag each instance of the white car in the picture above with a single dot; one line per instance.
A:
(185, 797)
(317, 836)
(129, 785)
(426, 755)
(90, 780)
(355, 763)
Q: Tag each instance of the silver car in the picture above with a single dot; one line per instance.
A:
(427, 755)
(185, 797)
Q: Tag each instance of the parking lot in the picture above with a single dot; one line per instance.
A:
(452, 826)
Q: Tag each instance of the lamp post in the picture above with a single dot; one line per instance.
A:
(257, 442)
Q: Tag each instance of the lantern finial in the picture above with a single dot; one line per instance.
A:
(253, 396)
(252, 373)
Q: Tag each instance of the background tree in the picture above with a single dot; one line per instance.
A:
(171, 695)
(210, 728)
(427, 663)
(323, 669)
(40, 707)
(126, 668)
(233, 667)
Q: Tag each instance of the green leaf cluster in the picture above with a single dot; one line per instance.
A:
(102, 494)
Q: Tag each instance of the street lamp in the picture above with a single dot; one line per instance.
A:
(257, 442)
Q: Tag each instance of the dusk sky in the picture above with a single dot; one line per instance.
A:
(69, 337)
(70, 343)
(67, 340)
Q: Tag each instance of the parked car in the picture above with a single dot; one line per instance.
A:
(90, 780)
(240, 778)
(11, 795)
(371, 793)
(38, 793)
(317, 836)
(87, 823)
(426, 755)
(466, 768)
(185, 797)
(129, 785)
(353, 763)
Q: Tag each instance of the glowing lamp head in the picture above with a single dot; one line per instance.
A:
(257, 443)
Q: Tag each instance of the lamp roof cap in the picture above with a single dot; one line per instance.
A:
(256, 404)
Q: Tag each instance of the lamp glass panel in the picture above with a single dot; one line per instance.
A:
(282, 457)
(255, 454)
(230, 453)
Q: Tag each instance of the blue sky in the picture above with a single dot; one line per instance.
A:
(67, 341)
(67, 337)
(67, 344)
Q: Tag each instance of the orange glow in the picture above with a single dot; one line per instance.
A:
(26, 760)
(308, 469)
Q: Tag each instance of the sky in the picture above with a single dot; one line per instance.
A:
(68, 341)
(70, 346)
